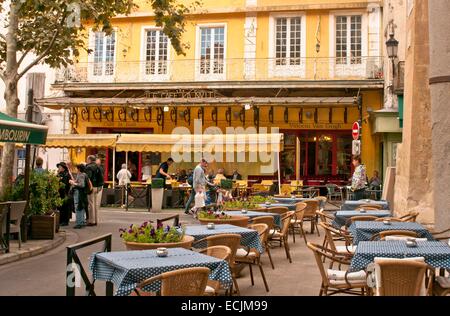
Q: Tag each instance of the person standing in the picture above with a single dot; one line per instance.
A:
(236, 175)
(101, 183)
(80, 196)
(198, 182)
(163, 170)
(65, 210)
(124, 177)
(358, 179)
(39, 164)
(94, 174)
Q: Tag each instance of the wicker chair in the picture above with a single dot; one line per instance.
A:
(441, 235)
(310, 214)
(325, 217)
(368, 208)
(390, 219)
(219, 252)
(277, 210)
(402, 277)
(333, 234)
(282, 235)
(403, 233)
(269, 221)
(233, 242)
(182, 282)
(252, 256)
(337, 281)
(441, 286)
(410, 217)
(296, 221)
(372, 206)
(365, 218)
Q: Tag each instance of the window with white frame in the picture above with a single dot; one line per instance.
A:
(104, 53)
(212, 50)
(349, 39)
(288, 41)
(156, 52)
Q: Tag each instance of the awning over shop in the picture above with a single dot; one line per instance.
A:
(13, 130)
(194, 143)
(82, 140)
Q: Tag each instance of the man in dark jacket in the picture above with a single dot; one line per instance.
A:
(95, 175)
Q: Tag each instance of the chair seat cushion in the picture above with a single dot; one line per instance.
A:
(346, 249)
(443, 282)
(242, 253)
(209, 290)
(274, 233)
(337, 277)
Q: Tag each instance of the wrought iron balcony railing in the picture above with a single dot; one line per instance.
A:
(224, 70)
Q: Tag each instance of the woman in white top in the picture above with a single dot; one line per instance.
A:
(124, 175)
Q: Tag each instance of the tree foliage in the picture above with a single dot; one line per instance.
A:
(55, 30)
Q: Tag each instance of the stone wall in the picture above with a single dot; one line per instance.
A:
(440, 108)
(414, 187)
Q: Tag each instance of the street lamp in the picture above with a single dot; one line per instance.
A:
(392, 49)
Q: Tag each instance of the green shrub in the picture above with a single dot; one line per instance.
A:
(226, 184)
(158, 183)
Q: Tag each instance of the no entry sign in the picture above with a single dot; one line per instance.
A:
(355, 131)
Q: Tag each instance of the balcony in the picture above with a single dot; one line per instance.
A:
(270, 69)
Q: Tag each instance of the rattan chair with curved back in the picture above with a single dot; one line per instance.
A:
(401, 277)
(390, 219)
(398, 233)
(369, 207)
(310, 215)
(328, 219)
(365, 218)
(410, 217)
(252, 256)
(441, 235)
(282, 235)
(269, 221)
(331, 235)
(337, 281)
(278, 210)
(182, 282)
(219, 252)
(296, 221)
(233, 242)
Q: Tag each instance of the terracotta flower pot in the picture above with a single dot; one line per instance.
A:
(241, 221)
(186, 242)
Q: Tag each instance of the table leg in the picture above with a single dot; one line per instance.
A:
(109, 288)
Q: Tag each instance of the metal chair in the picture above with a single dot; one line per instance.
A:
(334, 192)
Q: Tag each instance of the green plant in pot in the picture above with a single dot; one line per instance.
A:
(226, 184)
(44, 201)
(157, 194)
(146, 236)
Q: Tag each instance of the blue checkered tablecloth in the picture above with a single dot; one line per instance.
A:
(291, 207)
(436, 253)
(126, 269)
(252, 214)
(352, 205)
(341, 217)
(297, 200)
(363, 231)
(250, 237)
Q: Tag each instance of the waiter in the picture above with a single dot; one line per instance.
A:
(163, 170)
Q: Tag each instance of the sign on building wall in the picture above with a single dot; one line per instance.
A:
(356, 148)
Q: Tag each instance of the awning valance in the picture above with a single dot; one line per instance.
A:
(13, 130)
(195, 143)
(82, 140)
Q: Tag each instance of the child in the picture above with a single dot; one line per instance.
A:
(200, 198)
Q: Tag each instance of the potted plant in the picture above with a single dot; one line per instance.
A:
(226, 184)
(239, 205)
(146, 236)
(216, 216)
(44, 201)
(157, 194)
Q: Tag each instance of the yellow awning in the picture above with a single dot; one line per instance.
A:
(81, 140)
(167, 143)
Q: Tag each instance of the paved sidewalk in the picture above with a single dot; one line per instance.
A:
(31, 248)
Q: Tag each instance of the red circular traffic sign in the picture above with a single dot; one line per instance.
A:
(355, 131)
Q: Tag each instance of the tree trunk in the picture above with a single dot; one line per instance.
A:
(10, 77)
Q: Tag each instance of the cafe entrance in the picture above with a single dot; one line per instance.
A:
(317, 156)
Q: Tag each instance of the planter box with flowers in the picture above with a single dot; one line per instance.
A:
(43, 204)
(146, 236)
(157, 194)
(212, 215)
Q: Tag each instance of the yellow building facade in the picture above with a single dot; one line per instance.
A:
(308, 69)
